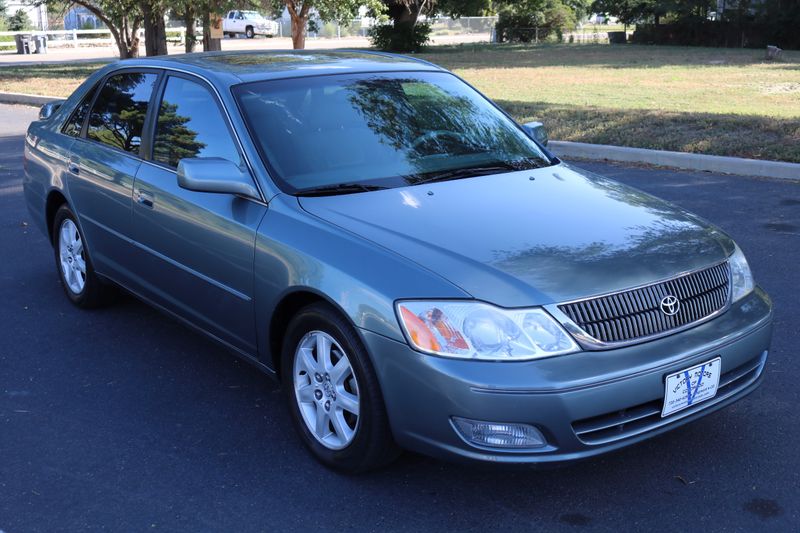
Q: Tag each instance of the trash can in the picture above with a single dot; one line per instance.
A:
(23, 42)
(617, 37)
(40, 42)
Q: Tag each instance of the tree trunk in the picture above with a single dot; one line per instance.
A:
(209, 44)
(127, 38)
(155, 32)
(405, 13)
(133, 39)
(188, 21)
(299, 21)
(299, 32)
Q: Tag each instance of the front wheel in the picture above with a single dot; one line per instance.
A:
(333, 393)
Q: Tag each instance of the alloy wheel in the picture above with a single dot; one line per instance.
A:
(326, 390)
(72, 257)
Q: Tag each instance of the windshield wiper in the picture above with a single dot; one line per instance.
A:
(482, 170)
(459, 173)
(339, 188)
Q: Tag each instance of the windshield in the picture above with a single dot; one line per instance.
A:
(367, 131)
(252, 15)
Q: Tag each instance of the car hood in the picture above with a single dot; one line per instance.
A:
(532, 237)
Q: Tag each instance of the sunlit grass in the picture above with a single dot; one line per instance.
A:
(49, 79)
(704, 100)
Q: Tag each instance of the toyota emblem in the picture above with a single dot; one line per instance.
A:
(670, 305)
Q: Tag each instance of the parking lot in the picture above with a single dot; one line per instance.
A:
(123, 420)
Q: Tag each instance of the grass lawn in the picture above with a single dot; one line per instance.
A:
(705, 100)
(55, 79)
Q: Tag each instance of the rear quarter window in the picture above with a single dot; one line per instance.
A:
(74, 124)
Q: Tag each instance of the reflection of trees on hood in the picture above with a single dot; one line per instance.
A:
(174, 140)
(667, 241)
(633, 196)
(402, 111)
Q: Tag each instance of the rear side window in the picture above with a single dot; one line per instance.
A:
(117, 118)
(190, 124)
(75, 123)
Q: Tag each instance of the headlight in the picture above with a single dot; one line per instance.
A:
(741, 277)
(475, 330)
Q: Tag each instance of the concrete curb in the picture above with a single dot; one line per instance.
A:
(710, 163)
(26, 99)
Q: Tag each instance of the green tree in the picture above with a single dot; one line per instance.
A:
(19, 21)
(627, 11)
(3, 14)
(123, 18)
(517, 17)
(408, 11)
(155, 31)
(341, 11)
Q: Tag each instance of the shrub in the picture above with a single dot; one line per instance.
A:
(403, 37)
(19, 21)
(520, 27)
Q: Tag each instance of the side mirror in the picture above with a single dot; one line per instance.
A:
(214, 174)
(537, 131)
(49, 108)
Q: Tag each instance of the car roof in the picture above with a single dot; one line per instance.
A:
(230, 68)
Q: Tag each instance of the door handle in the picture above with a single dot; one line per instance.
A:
(73, 166)
(144, 198)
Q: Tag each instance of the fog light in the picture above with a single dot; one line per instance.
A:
(499, 434)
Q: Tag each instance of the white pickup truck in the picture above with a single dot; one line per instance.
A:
(250, 23)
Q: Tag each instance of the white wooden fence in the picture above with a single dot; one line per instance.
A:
(76, 38)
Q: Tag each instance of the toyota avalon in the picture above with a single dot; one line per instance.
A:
(416, 268)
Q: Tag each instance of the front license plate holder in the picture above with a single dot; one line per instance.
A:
(691, 386)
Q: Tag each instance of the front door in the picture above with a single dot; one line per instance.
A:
(195, 250)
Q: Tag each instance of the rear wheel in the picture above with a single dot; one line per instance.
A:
(74, 265)
(333, 393)
(249, 33)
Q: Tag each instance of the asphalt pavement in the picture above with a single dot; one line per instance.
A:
(123, 420)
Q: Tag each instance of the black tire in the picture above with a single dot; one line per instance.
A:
(95, 292)
(249, 33)
(372, 445)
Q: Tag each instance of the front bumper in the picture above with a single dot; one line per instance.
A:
(585, 403)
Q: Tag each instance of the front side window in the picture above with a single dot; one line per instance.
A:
(190, 124)
(74, 125)
(117, 118)
(381, 130)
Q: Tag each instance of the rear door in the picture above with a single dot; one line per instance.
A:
(103, 163)
(195, 250)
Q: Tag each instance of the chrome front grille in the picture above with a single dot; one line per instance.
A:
(636, 314)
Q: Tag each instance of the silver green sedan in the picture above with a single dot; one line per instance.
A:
(416, 269)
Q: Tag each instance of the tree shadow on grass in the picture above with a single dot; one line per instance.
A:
(705, 133)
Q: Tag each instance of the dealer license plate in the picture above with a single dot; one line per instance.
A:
(691, 386)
